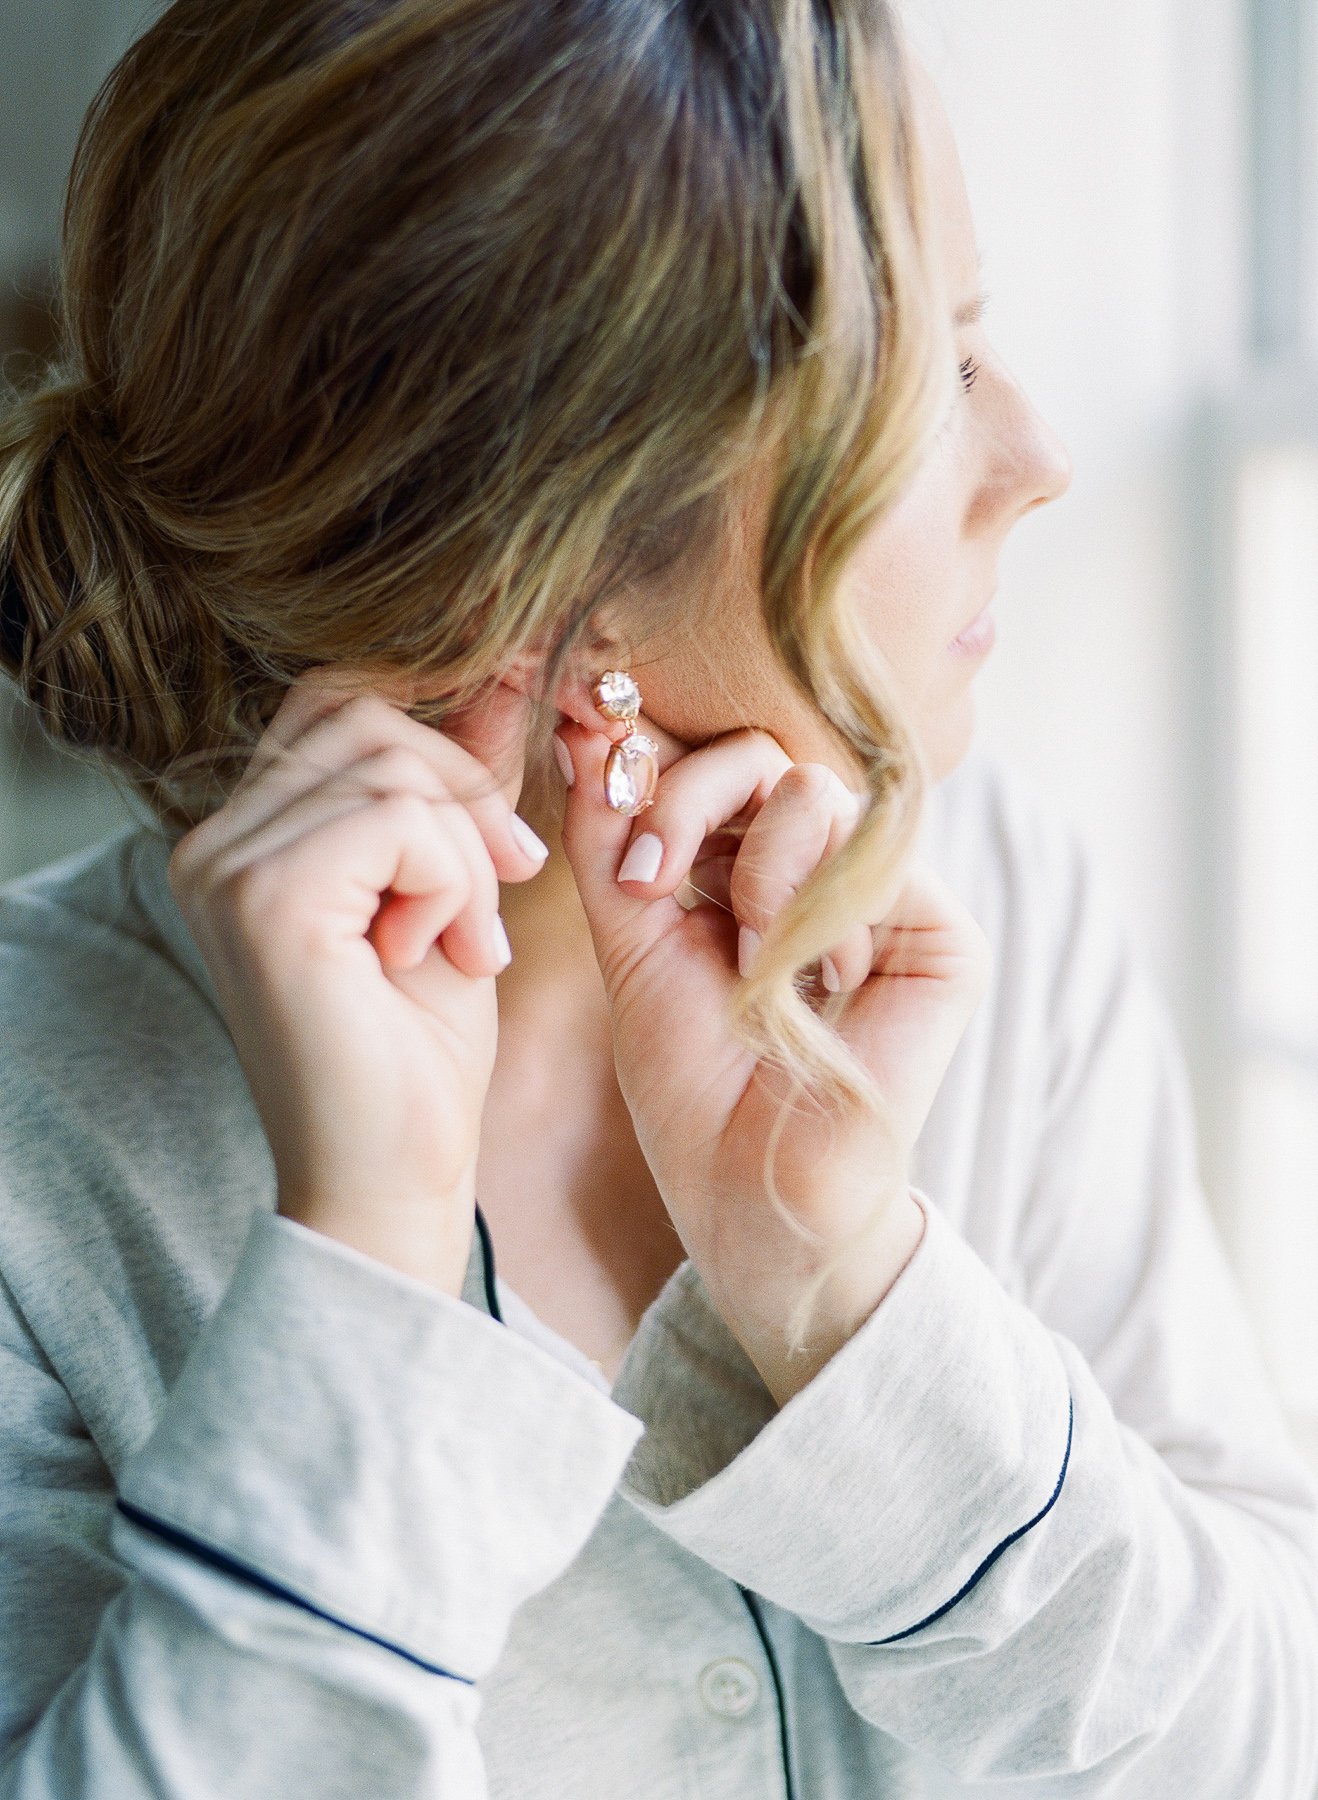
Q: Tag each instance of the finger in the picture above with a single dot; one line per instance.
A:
(342, 877)
(850, 962)
(313, 696)
(625, 922)
(458, 918)
(625, 868)
(324, 890)
(595, 839)
(348, 734)
(410, 921)
(931, 969)
(930, 932)
(697, 798)
(808, 816)
(709, 880)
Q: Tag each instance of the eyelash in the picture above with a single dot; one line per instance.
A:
(969, 373)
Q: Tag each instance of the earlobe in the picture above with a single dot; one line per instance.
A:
(574, 696)
(576, 699)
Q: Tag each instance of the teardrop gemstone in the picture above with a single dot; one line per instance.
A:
(631, 775)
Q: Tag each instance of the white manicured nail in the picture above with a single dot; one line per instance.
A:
(529, 842)
(642, 861)
(564, 761)
(748, 948)
(829, 976)
(499, 942)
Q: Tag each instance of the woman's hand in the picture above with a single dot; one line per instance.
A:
(346, 901)
(704, 1108)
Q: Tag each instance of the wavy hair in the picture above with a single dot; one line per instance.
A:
(401, 332)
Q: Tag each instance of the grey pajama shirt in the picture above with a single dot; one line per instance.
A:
(278, 1523)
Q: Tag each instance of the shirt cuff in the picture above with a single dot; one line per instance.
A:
(383, 1453)
(874, 1500)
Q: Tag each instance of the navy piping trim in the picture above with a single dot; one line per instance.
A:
(487, 1266)
(784, 1734)
(993, 1555)
(227, 1565)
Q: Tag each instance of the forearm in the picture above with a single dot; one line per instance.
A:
(351, 1487)
(202, 1687)
(858, 1280)
(1010, 1580)
(1129, 1636)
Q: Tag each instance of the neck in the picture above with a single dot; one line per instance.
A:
(583, 1234)
(551, 992)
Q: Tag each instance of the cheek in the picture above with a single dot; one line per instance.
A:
(917, 583)
(718, 676)
(909, 579)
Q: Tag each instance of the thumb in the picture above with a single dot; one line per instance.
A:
(596, 839)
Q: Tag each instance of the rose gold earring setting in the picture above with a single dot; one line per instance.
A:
(631, 774)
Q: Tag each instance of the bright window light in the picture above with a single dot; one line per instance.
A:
(1276, 799)
(1278, 1218)
(1275, 1000)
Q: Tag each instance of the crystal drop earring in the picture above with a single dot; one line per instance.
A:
(632, 772)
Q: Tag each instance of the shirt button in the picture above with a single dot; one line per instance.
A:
(729, 1688)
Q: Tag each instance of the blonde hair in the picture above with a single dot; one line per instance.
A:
(401, 332)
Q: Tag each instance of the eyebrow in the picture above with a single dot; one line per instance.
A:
(972, 312)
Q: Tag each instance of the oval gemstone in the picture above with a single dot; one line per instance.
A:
(631, 775)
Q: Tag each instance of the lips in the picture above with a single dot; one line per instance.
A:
(978, 637)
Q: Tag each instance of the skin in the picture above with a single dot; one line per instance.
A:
(921, 575)
(346, 902)
(593, 1245)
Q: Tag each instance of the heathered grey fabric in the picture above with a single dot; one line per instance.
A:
(1037, 1530)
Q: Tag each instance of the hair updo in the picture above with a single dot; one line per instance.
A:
(119, 654)
(398, 332)
(395, 330)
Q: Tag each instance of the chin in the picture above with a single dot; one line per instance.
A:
(946, 739)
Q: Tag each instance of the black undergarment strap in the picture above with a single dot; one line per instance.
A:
(487, 1266)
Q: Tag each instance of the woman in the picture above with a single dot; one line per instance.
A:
(862, 1405)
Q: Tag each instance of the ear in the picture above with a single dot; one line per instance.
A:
(573, 696)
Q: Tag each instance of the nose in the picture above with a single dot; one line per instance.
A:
(1052, 469)
(1027, 464)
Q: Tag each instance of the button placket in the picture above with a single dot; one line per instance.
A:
(729, 1688)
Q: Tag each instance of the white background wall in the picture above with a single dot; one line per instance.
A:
(1103, 147)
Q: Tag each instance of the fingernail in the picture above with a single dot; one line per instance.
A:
(529, 842)
(564, 760)
(499, 942)
(748, 948)
(642, 861)
(829, 976)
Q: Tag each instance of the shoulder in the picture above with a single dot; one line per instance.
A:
(988, 829)
(131, 1158)
(92, 950)
(1070, 988)
(1019, 863)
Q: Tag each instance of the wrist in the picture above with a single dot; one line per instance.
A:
(846, 1303)
(424, 1236)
